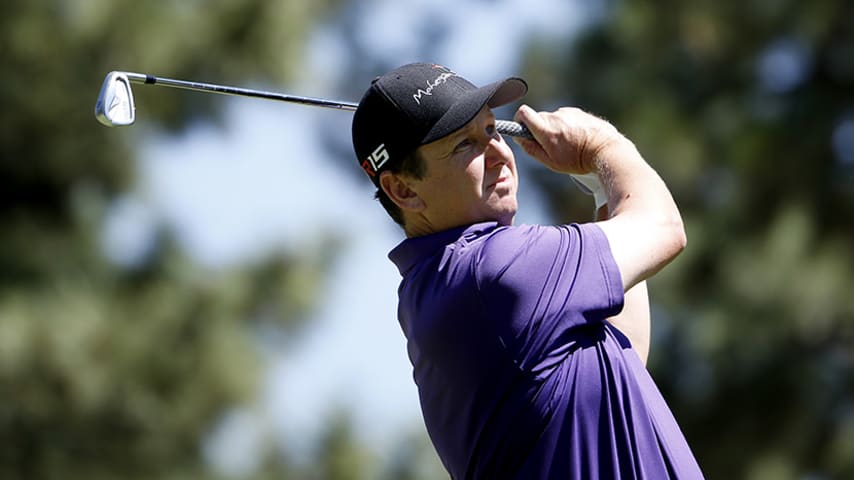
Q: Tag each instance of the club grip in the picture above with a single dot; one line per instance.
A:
(513, 129)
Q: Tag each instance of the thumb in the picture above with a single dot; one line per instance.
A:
(533, 120)
(528, 117)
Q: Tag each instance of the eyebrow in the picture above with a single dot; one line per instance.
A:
(466, 130)
(450, 142)
(463, 132)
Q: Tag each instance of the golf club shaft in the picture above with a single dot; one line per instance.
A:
(504, 127)
(245, 92)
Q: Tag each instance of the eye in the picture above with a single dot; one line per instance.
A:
(463, 145)
(490, 130)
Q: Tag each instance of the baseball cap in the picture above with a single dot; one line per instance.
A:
(417, 104)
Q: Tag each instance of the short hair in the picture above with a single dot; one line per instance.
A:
(412, 165)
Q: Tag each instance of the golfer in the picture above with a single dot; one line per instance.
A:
(528, 343)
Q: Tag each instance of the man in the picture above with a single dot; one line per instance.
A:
(521, 337)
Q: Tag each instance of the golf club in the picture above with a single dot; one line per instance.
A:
(115, 106)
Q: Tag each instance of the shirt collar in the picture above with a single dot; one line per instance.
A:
(412, 250)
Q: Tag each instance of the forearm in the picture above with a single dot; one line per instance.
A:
(632, 184)
(644, 226)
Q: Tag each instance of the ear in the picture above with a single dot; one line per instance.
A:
(400, 192)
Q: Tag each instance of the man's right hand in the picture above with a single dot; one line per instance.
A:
(568, 140)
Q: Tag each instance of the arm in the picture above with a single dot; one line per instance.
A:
(644, 227)
(634, 319)
(640, 220)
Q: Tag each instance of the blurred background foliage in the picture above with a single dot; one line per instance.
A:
(746, 109)
(109, 371)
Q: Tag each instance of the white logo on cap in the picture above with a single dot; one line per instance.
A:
(376, 160)
(419, 94)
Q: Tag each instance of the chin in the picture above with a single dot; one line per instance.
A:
(506, 222)
(506, 217)
(502, 211)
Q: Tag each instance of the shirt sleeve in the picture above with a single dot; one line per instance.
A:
(540, 282)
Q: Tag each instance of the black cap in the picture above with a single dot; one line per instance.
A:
(417, 104)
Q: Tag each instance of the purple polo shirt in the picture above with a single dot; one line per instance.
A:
(518, 373)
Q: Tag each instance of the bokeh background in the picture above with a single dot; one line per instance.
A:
(206, 294)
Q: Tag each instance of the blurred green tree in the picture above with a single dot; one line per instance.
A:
(740, 107)
(111, 371)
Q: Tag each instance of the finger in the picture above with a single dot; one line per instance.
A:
(531, 147)
(533, 120)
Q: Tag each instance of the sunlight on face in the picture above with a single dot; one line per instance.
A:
(470, 177)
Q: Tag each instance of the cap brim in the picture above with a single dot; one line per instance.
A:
(508, 91)
(469, 105)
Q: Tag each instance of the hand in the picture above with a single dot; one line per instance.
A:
(568, 140)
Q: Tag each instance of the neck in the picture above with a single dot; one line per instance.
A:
(419, 227)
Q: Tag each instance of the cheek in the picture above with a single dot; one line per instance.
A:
(457, 189)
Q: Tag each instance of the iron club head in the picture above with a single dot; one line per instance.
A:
(115, 106)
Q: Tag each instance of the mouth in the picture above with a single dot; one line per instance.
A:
(503, 180)
(506, 178)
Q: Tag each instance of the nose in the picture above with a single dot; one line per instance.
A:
(496, 152)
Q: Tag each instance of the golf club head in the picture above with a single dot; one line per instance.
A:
(115, 106)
